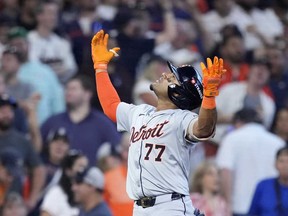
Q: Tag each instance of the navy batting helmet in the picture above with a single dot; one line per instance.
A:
(189, 94)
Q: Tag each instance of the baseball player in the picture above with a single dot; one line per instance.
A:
(162, 137)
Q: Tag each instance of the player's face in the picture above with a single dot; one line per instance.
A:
(160, 86)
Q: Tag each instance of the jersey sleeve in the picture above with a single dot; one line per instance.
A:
(123, 115)
(184, 120)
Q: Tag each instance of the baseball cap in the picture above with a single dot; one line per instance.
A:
(17, 32)
(11, 160)
(13, 50)
(59, 133)
(107, 149)
(92, 176)
(5, 99)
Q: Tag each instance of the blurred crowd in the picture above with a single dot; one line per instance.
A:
(60, 155)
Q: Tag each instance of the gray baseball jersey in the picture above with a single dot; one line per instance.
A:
(159, 153)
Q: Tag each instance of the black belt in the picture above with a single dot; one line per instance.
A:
(150, 201)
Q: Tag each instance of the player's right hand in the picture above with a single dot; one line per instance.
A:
(212, 75)
(101, 56)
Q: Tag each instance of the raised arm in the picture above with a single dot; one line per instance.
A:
(101, 56)
(212, 74)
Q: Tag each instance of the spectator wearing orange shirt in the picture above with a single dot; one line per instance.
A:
(115, 190)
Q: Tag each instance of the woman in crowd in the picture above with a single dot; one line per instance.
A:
(205, 186)
(59, 201)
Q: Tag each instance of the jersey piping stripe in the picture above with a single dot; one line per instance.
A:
(141, 169)
(182, 198)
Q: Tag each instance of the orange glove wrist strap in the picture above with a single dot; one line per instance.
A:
(100, 66)
(208, 103)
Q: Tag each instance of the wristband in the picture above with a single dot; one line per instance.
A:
(100, 66)
(208, 103)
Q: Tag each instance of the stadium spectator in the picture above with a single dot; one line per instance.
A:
(278, 81)
(48, 47)
(271, 195)
(281, 124)
(205, 190)
(152, 69)
(183, 49)
(245, 157)
(26, 17)
(88, 191)
(131, 37)
(232, 49)
(24, 93)
(115, 191)
(5, 25)
(87, 127)
(247, 94)
(56, 151)
(11, 62)
(20, 121)
(12, 139)
(59, 200)
(108, 157)
(14, 205)
(80, 31)
(11, 171)
(216, 19)
(40, 76)
(254, 22)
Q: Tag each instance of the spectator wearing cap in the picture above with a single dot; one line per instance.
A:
(88, 191)
(59, 199)
(246, 156)
(39, 75)
(20, 121)
(108, 157)
(11, 171)
(48, 47)
(23, 92)
(10, 65)
(10, 138)
(57, 149)
(86, 127)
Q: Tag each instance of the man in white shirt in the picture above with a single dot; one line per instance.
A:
(245, 157)
(48, 47)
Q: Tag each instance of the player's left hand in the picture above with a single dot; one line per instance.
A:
(101, 56)
(212, 75)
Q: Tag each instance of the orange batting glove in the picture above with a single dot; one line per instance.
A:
(212, 76)
(101, 56)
